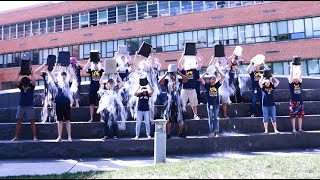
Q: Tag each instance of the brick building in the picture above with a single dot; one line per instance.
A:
(278, 29)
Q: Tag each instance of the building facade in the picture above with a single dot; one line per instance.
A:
(276, 29)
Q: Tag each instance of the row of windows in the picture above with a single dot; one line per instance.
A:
(244, 34)
(112, 15)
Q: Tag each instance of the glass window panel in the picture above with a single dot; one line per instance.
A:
(58, 24)
(67, 23)
(115, 45)
(102, 17)
(51, 25)
(86, 50)
(186, 7)
(304, 68)
(274, 31)
(133, 45)
(188, 36)
(282, 27)
(27, 29)
(195, 36)
(235, 3)
(241, 34)
(93, 18)
(210, 38)
(142, 10)
(154, 41)
(43, 26)
(198, 6)
(313, 67)
(298, 25)
(225, 33)
(13, 31)
(309, 29)
(202, 38)
(1, 59)
(264, 29)
(218, 34)
(286, 68)
(297, 36)
(244, 3)
(277, 68)
(75, 51)
(160, 40)
(112, 15)
(122, 14)
(132, 12)
(6, 32)
(257, 30)
(104, 50)
(20, 30)
(164, 8)
(147, 39)
(209, 5)
(81, 51)
(75, 21)
(181, 40)
(84, 20)
(316, 23)
(35, 28)
(222, 4)
(290, 26)
(232, 32)
(174, 8)
(55, 51)
(153, 9)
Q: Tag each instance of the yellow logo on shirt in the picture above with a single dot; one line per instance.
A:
(296, 88)
(96, 75)
(213, 91)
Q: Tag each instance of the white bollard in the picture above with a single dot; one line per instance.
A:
(160, 141)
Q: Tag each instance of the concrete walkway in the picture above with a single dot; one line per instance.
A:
(59, 166)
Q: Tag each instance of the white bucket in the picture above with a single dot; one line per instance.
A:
(296, 71)
(110, 66)
(238, 51)
(258, 59)
(190, 62)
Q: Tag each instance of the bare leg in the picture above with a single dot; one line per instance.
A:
(293, 122)
(180, 127)
(195, 110)
(168, 127)
(18, 127)
(224, 109)
(68, 125)
(275, 127)
(34, 131)
(60, 128)
(300, 124)
(101, 117)
(265, 127)
(91, 112)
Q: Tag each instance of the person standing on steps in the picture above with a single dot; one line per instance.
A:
(25, 107)
(213, 104)
(234, 84)
(268, 105)
(95, 70)
(77, 68)
(296, 109)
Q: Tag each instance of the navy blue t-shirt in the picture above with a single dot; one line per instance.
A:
(26, 95)
(95, 76)
(61, 97)
(193, 75)
(143, 103)
(255, 77)
(295, 90)
(45, 79)
(267, 95)
(213, 93)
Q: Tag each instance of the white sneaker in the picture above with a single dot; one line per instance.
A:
(101, 120)
(137, 137)
(149, 137)
(196, 117)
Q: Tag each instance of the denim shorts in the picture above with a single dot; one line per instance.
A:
(27, 111)
(269, 111)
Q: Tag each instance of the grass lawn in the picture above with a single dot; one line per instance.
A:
(291, 166)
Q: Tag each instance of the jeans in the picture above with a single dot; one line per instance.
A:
(140, 116)
(235, 85)
(114, 124)
(269, 110)
(213, 118)
(255, 96)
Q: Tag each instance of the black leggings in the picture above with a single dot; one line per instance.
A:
(114, 125)
(234, 84)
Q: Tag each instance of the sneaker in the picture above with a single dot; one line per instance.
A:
(196, 117)
(137, 137)
(90, 120)
(182, 135)
(277, 132)
(101, 120)
(300, 130)
(252, 115)
(149, 137)
(294, 131)
(105, 138)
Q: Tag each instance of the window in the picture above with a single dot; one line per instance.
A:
(110, 49)
(201, 39)
(188, 36)
(235, 3)
(153, 9)
(93, 18)
(6, 32)
(186, 7)
(210, 5)
(86, 51)
(75, 51)
(142, 10)
(313, 67)
(35, 28)
(262, 32)
(249, 33)
(160, 43)
(282, 30)
(75, 21)
(132, 12)
(210, 38)
(164, 8)
(309, 28)
(112, 19)
(20, 30)
(174, 8)
(316, 26)
(122, 14)
(241, 34)
(1, 61)
(232, 36)
(8, 85)
(50, 25)
(103, 17)
(277, 68)
(298, 29)
(274, 32)
(43, 25)
(67, 23)
(246, 3)
(104, 49)
(27, 29)
(58, 25)
(133, 45)
(13, 32)
(198, 6)
(222, 4)
(35, 57)
(84, 20)
(171, 42)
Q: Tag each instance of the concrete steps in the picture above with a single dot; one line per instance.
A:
(80, 148)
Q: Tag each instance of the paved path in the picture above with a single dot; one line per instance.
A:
(59, 166)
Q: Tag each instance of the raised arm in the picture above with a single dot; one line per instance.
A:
(102, 78)
(33, 80)
(203, 82)
(151, 90)
(249, 68)
(39, 69)
(276, 81)
(184, 78)
(221, 74)
(161, 81)
(260, 82)
(200, 60)
(17, 80)
(181, 62)
(136, 93)
(86, 67)
(291, 73)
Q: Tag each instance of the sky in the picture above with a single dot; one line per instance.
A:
(9, 5)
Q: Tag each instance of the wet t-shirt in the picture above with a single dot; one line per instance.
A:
(26, 95)
(295, 90)
(193, 75)
(95, 76)
(255, 77)
(213, 93)
(267, 95)
(143, 103)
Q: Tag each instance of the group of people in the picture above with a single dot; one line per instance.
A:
(137, 82)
